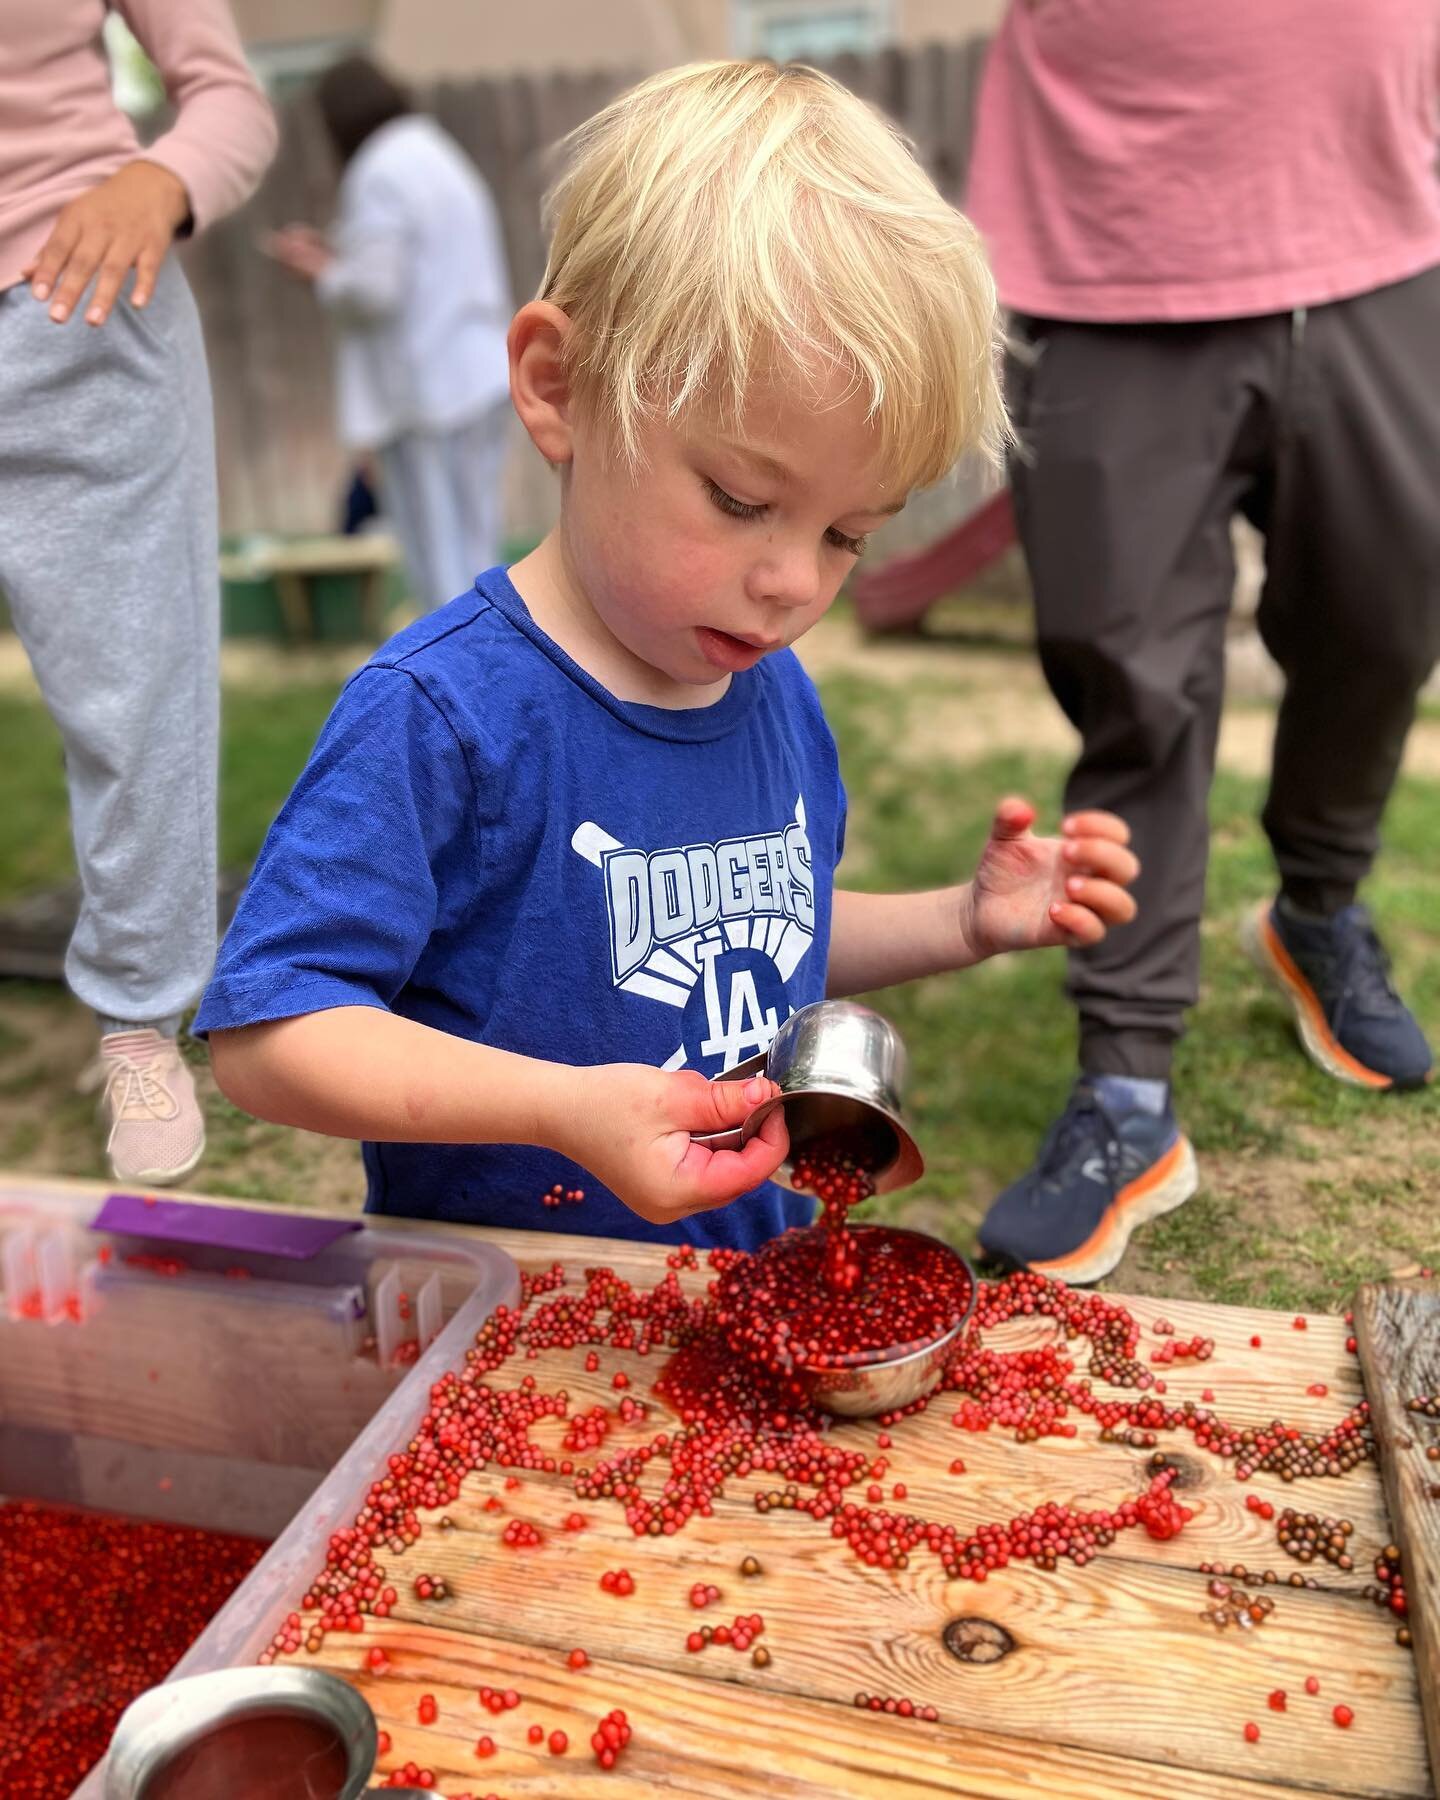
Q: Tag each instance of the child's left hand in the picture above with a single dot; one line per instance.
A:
(1031, 892)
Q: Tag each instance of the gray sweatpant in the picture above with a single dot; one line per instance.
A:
(108, 559)
(442, 493)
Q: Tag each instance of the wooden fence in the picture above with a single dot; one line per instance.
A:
(280, 467)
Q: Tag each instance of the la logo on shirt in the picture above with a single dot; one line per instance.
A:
(714, 930)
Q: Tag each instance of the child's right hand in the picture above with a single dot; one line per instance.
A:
(631, 1127)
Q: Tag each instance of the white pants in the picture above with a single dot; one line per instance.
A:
(442, 494)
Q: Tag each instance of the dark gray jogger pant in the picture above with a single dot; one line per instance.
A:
(1139, 443)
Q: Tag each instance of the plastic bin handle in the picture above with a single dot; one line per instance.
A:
(224, 1227)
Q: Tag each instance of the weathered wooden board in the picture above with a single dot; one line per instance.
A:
(1114, 1684)
(717, 1738)
(1398, 1328)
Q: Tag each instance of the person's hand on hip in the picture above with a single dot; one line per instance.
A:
(128, 222)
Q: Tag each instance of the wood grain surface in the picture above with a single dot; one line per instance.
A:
(1398, 1328)
(1114, 1685)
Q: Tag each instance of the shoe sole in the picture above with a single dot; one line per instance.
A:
(1262, 945)
(1166, 1184)
(158, 1178)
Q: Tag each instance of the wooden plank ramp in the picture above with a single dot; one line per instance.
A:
(1398, 1328)
(1113, 1685)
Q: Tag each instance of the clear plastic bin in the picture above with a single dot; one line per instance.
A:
(242, 1379)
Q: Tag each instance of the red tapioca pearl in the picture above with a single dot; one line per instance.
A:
(1276, 1701)
(1343, 1717)
(429, 1711)
(1252, 1733)
(1312, 1684)
(577, 1659)
(559, 1743)
(485, 1747)
(535, 1733)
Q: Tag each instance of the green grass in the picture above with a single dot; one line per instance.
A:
(1308, 1187)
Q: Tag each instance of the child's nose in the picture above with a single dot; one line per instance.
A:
(792, 578)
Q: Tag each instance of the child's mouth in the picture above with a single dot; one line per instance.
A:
(732, 654)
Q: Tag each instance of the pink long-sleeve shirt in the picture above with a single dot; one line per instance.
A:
(1141, 160)
(62, 133)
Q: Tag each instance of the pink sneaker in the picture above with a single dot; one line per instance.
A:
(157, 1134)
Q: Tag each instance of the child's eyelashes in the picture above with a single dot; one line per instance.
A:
(737, 509)
(743, 509)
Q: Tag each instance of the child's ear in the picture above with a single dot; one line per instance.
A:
(539, 382)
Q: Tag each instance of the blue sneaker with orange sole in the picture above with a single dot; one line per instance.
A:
(1100, 1173)
(1335, 977)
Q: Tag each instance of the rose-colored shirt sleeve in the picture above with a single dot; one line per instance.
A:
(224, 133)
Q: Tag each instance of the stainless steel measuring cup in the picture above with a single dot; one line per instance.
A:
(168, 1724)
(840, 1066)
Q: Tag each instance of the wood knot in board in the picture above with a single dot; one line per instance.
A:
(974, 1640)
(1188, 1470)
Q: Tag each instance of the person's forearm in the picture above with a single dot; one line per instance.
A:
(224, 134)
(879, 940)
(359, 1072)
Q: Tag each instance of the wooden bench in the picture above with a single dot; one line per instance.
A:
(295, 564)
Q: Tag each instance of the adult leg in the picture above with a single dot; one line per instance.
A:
(413, 498)
(108, 544)
(1351, 607)
(1351, 612)
(442, 491)
(108, 548)
(477, 452)
(1137, 446)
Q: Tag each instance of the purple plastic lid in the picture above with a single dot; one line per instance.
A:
(225, 1227)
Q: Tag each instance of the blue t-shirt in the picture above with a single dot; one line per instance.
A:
(487, 841)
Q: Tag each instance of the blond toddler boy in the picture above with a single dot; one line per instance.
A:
(566, 848)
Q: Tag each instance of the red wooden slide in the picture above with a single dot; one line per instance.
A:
(899, 593)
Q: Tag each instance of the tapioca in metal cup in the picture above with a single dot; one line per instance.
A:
(841, 1068)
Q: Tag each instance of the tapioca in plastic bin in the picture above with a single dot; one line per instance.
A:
(243, 1370)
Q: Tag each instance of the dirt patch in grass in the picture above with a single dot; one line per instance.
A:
(973, 700)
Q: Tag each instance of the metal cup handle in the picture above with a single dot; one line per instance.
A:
(735, 1137)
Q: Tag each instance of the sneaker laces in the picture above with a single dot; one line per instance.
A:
(133, 1083)
(1362, 966)
(1082, 1130)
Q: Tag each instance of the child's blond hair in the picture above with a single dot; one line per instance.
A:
(727, 220)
